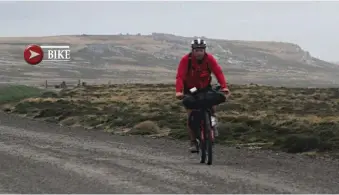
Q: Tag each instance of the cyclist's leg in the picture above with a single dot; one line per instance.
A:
(189, 111)
(191, 132)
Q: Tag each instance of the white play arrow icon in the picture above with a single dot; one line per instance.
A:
(33, 54)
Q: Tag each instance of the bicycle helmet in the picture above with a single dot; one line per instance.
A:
(198, 43)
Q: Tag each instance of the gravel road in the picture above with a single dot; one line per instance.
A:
(37, 157)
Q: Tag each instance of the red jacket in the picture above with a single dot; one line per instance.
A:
(200, 74)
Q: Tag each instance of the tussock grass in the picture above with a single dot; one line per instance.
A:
(289, 119)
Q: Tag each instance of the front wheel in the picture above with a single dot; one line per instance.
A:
(202, 151)
(208, 139)
(209, 150)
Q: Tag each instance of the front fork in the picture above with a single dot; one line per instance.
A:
(208, 123)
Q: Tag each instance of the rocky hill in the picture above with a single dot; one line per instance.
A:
(154, 58)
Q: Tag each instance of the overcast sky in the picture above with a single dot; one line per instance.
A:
(312, 25)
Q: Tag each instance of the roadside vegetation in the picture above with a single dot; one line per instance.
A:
(12, 93)
(294, 120)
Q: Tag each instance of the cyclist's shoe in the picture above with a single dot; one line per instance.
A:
(193, 147)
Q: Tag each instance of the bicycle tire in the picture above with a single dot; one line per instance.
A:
(208, 139)
(202, 145)
(202, 152)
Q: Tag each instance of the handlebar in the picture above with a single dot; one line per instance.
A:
(203, 97)
(194, 91)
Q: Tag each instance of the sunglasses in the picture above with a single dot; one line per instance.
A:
(199, 50)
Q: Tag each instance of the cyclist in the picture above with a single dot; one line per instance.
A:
(195, 70)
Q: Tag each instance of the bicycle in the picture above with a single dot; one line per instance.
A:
(201, 102)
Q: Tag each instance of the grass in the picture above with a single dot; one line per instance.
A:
(289, 119)
(17, 92)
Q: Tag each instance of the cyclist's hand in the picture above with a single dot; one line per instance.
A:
(179, 95)
(226, 91)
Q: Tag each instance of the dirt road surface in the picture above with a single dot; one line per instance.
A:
(37, 157)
